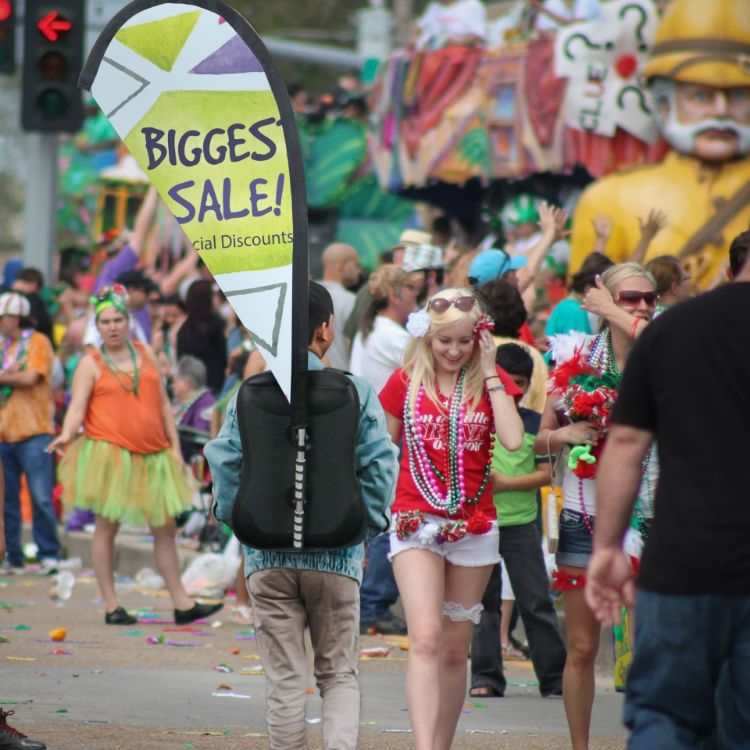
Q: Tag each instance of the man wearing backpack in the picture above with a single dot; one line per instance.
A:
(318, 589)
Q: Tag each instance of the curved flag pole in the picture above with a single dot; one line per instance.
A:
(194, 95)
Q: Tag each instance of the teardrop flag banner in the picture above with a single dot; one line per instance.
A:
(195, 97)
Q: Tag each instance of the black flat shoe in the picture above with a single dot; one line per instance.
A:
(119, 617)
(198, 612)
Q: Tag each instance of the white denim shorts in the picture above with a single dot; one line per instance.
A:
(471, 551)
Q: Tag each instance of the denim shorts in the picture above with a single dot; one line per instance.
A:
(473, 550)
(575, 545)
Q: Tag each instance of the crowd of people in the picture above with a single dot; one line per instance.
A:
(487, 395)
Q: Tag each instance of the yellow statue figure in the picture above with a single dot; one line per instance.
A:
(699, 78)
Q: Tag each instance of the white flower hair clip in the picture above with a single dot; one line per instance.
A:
(418, 324)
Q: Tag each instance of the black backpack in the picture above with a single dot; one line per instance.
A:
(335, 515)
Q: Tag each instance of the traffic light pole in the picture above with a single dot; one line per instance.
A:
(40, 240)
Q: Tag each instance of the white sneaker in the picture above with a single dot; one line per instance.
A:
(7, 569)
(49, 566)
(242, 615)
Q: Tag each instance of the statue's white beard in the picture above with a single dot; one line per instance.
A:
(682, 136)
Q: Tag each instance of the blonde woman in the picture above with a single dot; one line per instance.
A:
(381, 340)
(569, 425)
(445, 404)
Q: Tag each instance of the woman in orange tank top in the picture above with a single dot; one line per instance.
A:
(127, 466)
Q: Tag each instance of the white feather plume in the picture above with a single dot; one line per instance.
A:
(564, 345)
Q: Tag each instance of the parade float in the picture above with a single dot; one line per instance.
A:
(565, 107)
(526, 103)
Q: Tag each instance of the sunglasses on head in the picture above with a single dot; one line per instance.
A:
(440, 304)
(632, 297)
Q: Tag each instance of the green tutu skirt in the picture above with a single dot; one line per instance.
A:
(124, 487)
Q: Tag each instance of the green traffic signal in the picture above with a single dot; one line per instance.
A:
(52, 104)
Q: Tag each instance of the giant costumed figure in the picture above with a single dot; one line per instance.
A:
(699, 80)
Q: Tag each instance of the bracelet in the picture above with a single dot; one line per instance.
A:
(491, 377)
(633, 328)
(496, 388)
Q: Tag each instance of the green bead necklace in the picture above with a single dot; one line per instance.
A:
(118, 374)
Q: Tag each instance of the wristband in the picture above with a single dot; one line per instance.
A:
(491, 377)
(496, 388)
(634, 328)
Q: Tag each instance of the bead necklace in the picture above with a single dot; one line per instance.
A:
(426, 476)
(18, 355)
(644, 508)
(602, 357)
(182, 408)
(134, 377)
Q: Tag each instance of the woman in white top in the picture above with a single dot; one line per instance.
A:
(381, 340)
(583, 388)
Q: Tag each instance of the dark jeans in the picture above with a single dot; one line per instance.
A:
(682, 643)
(379, 589)
(521, 550)
(28, 457)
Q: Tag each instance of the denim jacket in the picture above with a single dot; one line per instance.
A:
(377, 464)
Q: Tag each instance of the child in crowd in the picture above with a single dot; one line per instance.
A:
(516, 479)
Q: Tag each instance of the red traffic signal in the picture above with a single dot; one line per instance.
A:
(53, 57)
(52, 25)
(7, 37)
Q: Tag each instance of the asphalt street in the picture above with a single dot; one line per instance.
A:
(106, 687)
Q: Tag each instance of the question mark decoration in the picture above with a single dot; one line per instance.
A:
(640, 11)
(601, 60)
(588, 44)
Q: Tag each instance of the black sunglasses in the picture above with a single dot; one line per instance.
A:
(632, 297)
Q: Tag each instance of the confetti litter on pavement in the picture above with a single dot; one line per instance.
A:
(314, 720)
(229, 695)
(374, 652)
(182, 643)
(183, 629)
(396, 731)
(260, 671)
(254, 734)
(224, 668)
(21, 658)
(131, 633)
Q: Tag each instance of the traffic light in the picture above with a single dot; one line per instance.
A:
(53, 57)
(7, 37)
